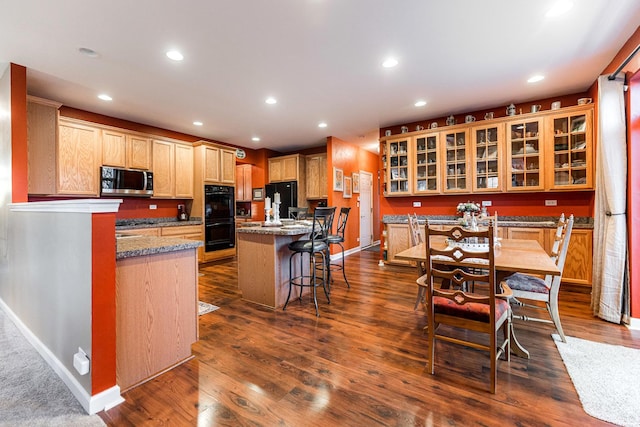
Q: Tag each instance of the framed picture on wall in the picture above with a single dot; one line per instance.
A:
(338, 177)
(258, 194)
(347, 188)
(356, 182)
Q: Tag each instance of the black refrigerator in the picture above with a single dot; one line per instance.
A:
(288, 195)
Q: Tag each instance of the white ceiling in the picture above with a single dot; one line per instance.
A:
(320, 58)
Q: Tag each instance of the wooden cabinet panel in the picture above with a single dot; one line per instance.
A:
(138, 152)
(114, 148)
(539, 234)
(42, 136)
(285, 168)
(78, 159)
(163, 168)
(243, 183)
(211, 164)
(227, 166)
(578, 265)
(149, 340)
(316, 168)
(184, 171)
(397, 240)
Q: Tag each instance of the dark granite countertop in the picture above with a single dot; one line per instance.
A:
(133, 223)
(505, 221)
(134, 246)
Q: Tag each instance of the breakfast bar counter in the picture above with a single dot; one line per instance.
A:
(263, 262)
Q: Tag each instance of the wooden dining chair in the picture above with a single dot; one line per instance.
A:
(486, 312)
(415, 238)
(527, 288)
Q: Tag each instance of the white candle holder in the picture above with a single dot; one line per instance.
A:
(267, 216)
(276, 213)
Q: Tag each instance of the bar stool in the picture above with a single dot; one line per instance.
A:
(317, 247)
(338, 239)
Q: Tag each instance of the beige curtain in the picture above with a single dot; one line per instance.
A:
(610, 296)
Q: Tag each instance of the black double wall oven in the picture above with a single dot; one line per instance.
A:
(219, 222)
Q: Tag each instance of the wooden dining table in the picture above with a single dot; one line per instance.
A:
(510, 256)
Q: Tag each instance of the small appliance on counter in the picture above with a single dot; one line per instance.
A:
(182, 213)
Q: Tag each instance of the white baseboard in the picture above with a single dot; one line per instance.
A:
(92, 404)
(635, 324)
(338, 255)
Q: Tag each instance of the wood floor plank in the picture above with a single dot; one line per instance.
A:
(362, 362)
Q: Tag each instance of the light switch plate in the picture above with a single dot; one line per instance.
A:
(486, 203)
(551, 203)
(152, 207)
(417, 204)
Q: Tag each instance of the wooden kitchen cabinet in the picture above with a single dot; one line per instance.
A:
(42, 137)
(397, 173)
(396, 240)
(243, 183)
(214, 164)
(570, 159)
(123, 150)
(542, 235)
(487, 154)
(286, 168)
(172, 170)
(427, 160)
(316, 166)
(457, 158)
(525, 155)
(78, 161)
(579, 263)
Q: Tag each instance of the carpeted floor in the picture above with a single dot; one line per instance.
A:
(605, 377)
(31, 394)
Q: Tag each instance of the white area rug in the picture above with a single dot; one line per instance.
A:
(606, 377)
(205, 307)
(31, 394)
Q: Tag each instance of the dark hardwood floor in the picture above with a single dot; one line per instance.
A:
(361, 363)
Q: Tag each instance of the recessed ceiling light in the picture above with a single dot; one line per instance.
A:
(88, 52)
(197, 123)
(105, 97)
(561, 7)
(420, 103)
(271, 100)
(536, 78)
(390, 63)
(322, 125)
(175, 55)
(255, 139)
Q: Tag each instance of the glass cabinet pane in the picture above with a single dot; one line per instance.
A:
(426, 179)
(398, 168)
(525, 153)
(456, 158)
(487, 151)
(571, 151)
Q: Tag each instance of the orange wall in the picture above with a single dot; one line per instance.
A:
(19, 177)
(351, 159)
(634, 192)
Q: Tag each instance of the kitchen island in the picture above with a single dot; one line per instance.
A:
(156, 306)
(263, 262)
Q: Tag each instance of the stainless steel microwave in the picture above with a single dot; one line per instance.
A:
(125, 182)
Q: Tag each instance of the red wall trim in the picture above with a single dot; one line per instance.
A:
(103, 305)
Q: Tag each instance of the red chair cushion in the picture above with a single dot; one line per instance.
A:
(472, 311)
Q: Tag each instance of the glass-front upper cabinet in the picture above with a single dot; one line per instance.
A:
(570, 165)
(456, 161)
(426, 178)
(486, 147)
(525, 154)
(395, 163)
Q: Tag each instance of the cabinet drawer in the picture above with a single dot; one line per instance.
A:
(182, 230)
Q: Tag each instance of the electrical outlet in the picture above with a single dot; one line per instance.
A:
(417, 204)
(153, 207)
(486, 203)
(551, 203)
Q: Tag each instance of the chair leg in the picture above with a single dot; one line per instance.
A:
(290, 282)
(419, 297)
(344, 274)
(552, 307)
(313, 284)
(326, 285)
